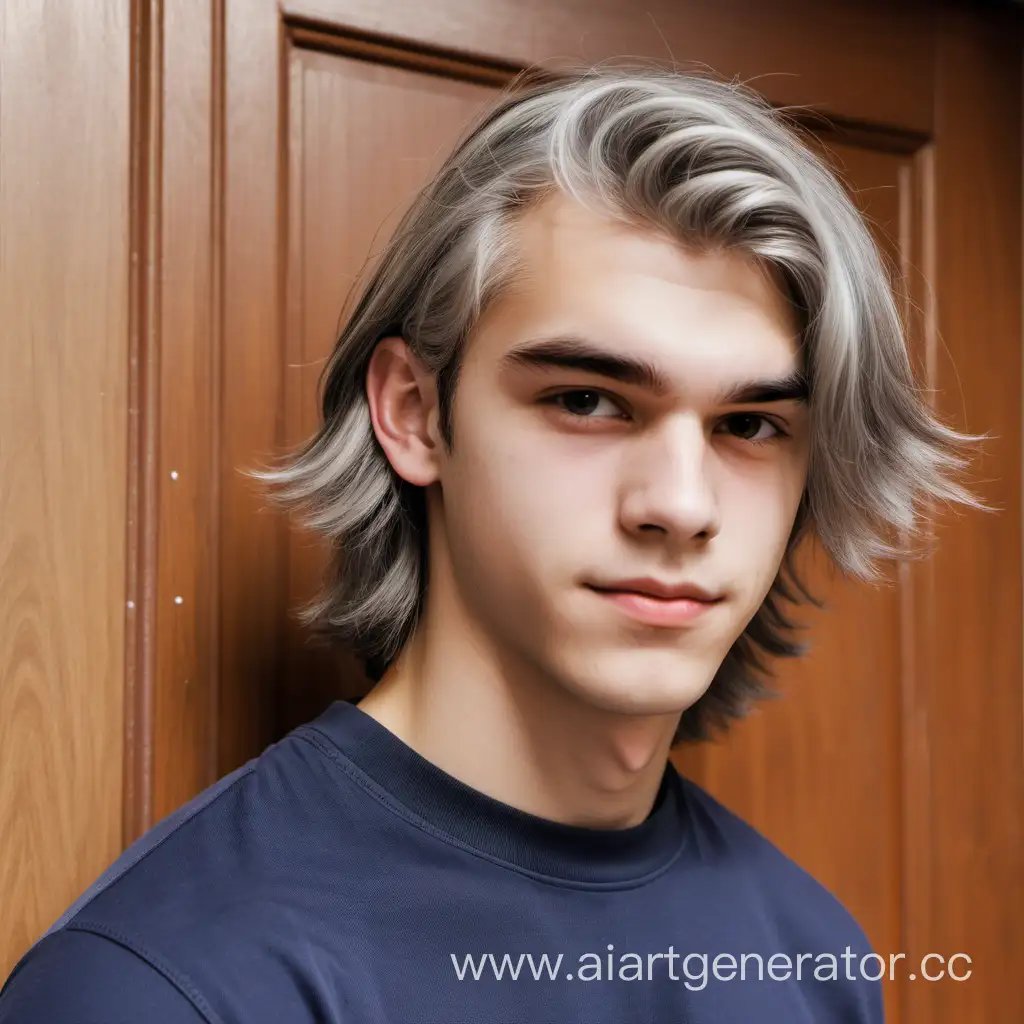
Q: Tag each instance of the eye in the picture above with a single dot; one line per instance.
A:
(582, 403)
(750, 426)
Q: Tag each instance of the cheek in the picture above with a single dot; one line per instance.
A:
(522, 507)
(760, 512)
(508, 558)
(518, 514)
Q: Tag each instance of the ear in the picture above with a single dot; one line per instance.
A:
(402, 395)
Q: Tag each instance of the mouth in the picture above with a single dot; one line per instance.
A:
(654, 610)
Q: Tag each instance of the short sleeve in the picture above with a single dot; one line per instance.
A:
(79, 977)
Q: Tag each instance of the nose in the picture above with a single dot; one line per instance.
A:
(669, 487)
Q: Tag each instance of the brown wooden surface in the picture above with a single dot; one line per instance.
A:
(186, 415)
(64, 327)
(970, 627)
(250, 553)
(869, 59)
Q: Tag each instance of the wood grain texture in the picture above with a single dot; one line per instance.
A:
(251, 547)
(183, 683)
(970, 601)
(172, 650)
(143, 388)
(870, 59)
(64, 271)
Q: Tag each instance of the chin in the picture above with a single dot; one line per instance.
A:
(638, 683)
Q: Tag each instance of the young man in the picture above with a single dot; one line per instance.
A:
(631, 345)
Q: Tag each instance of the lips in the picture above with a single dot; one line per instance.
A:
(652, 588)
(675, 613)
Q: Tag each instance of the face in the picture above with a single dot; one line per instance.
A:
(572, 471)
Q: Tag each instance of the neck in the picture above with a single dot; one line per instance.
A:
(518, 738)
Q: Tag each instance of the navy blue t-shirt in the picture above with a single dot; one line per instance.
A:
(340, 877)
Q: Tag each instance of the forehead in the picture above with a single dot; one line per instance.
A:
(584, 273)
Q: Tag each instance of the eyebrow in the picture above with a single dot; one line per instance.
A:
(575, 353)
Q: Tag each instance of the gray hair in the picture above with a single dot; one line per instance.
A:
(713, 165)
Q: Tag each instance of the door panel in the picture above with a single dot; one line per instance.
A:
(65, 329)
(865, 58)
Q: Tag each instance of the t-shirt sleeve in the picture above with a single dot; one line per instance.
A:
(79, 977)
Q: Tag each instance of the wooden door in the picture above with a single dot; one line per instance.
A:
(64, 342)
(283, 140)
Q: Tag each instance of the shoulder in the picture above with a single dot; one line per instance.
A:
(71, 976)
(212, 903)
(802, 908)
(218, 853)
(799, 917)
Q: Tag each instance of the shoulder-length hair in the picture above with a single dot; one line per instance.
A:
(713, 165)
